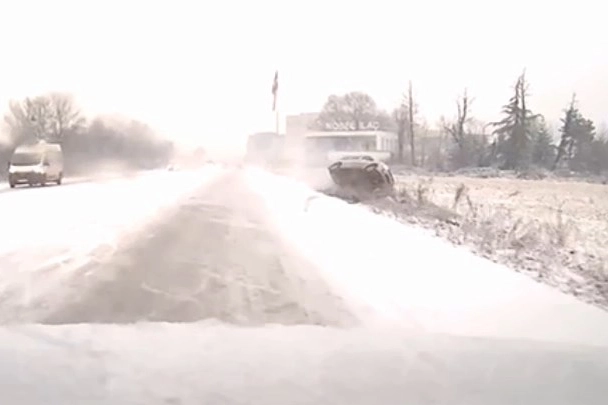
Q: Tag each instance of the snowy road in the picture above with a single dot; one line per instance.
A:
(50, 234)
(162, 247)
(213, 257)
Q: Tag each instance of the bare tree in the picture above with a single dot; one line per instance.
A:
(457, 129)
(65, 115)
(460, 132)
(17, 121)
(46, 117)
(411, 112)
(29, 119)
(423, 132)
(55, 117)
(354, 109)
(401, 117)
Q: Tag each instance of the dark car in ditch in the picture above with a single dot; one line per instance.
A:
(362, 176)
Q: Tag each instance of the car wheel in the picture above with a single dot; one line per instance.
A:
(59, 179)
(12, 185)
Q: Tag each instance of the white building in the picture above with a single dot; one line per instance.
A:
(335, 144)
(312, 146)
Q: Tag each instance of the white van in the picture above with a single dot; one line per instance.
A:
(40, 163)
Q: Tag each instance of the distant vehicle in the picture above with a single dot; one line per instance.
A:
(362, 175)
(36, 164)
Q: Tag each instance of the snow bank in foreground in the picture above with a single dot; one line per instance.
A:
(49, 232)
(208, 363)
(407, 275)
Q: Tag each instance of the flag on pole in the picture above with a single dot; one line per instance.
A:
(275, 89)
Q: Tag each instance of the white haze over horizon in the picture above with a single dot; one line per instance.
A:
(201, 72)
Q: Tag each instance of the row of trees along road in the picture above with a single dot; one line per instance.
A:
(520, 140)
(56, 118)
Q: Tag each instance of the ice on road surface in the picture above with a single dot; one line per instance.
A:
(406, 275)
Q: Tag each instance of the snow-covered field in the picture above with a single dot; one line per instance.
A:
(581, 207)
(555, 231)
(434, 322)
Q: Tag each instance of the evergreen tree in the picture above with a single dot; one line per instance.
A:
(577, 135)
(512, 148)
(543, 150)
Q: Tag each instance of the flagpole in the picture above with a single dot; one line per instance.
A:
(275, 91)
(276, 116)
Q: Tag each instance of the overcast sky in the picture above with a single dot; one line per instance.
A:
(202, 71)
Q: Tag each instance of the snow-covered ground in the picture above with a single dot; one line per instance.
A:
(410, 291)
(409, 276)
(50, 232)
(206, 363)
(552, 230)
